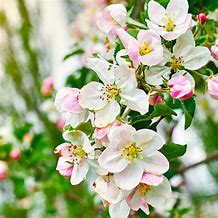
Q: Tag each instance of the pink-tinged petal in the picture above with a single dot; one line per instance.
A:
(178, 9)
(156, 12)
(79, 172)
(149, 140)
(112, 161)
(157, 196)
(90, 96)
(130, 44)
(107, 189)
(130, 177)
(151, 179)
(144, 207)
(119, 210)
(155, 164)
(134, 199)
(102, 132)
(104, 69)
(66, 100)
(64, 167)
(121, 136)
(107, 114)
(213, 87)
(63, 149)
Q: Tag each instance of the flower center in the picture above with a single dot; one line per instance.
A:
(144, 188)
(169, 25)
(110, 91)
(145, 49)
(175, 63)
(79, 152)
(132, 152)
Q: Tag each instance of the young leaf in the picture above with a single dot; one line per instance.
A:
(75, 52)
(172, 150)
(85, 127)
(188, 107)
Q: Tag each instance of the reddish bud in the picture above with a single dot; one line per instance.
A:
(3, 170)
(15, 154)
(202, 18)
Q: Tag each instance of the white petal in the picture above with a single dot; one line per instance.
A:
(197, 58)
(178, 9)
(156, 12)
(156, 163)
(185, 40)
(130, 177)
(149, 140)
(107, 114)
(112, 161)
(125, 77)
(74, 119)
(104, 69)
(136, 100)
(79, 172)
(154, 75)
(107, 189)
(134, 199)
(76, 137)
(90, 96)
(158, 195)
(119, 210)
(121, 136)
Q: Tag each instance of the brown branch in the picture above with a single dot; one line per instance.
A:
(211, 157)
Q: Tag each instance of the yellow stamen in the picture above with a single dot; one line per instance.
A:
(144, 188)
(79, 152)
(131, 151)
(169, 25)
(145, 49)
(175, 63)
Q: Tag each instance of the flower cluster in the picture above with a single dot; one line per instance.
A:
(148, 67)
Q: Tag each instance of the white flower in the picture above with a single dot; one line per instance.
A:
(119, 85)
(114, 16)
(74, 156)
(185, 55)
(66, 102)
(171, 22)
(132, 152)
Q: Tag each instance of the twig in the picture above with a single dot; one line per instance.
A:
(211, 157)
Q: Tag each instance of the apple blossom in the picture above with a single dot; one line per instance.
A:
(120, 85)
(171, 22)
(73, 156)
(214, 51)
(114, 16)
(147, 49)
(15, 154)
(185, 55)
(180, 87)
(66, 101)
(154, 190)
(132, 152)
(3, 170)
(48, 86)
(213, 87)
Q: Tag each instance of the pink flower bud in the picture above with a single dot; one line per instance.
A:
(47, 86)
(66, 100)
(201, 18)
(213, 87)
(180, 87)
(155, 99)
(15, 154)
(3, 170)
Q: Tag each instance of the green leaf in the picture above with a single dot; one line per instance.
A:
(75, 52)
(201, 40)
(85, 127)
(130, 11)
(161, 110)
(68, 127)
(172, 150)
(188, 107)
(133, 32)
